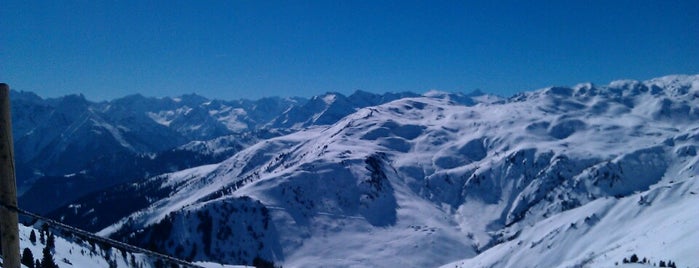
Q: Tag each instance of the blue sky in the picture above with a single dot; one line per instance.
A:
(252, 49)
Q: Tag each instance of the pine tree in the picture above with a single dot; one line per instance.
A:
(44, 232)
(262, 263)
(47, 259)
(37, 264)
(634, 258)
(28, 257)
(112, 263)
(32, 237)
(51, 241)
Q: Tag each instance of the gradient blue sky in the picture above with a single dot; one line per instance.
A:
(253, 49)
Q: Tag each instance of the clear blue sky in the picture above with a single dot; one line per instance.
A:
(252, 49)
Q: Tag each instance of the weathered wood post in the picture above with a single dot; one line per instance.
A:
(9, 223)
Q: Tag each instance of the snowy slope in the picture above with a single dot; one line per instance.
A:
(658, 224)
(62, 135)
(135, 137)
(439, 179)
(539, 180)
(74, 252)
(71, 250)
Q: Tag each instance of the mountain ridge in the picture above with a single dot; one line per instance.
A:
(57, 137)
(454, 183)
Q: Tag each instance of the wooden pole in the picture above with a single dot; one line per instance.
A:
(9, 223)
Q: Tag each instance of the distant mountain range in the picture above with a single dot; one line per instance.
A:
(72, 145)
(558, 177)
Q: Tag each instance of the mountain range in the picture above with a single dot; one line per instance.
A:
(581, 176)
(72, 145)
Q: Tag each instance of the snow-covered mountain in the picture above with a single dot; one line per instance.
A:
(67, 147)
(558, 177)
(65, 135)
(331, 107)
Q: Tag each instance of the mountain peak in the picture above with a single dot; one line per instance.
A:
(361, 93)
(25, 96)
(456, 97)
(75, 100)
(191, 99)
(476, 92)
(434, 93)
